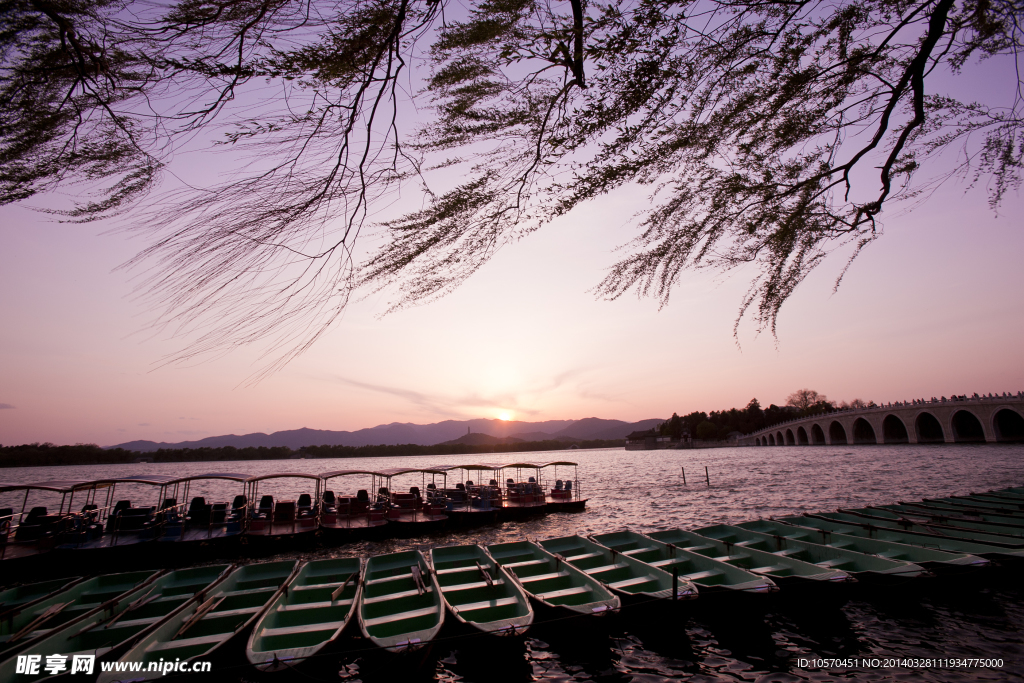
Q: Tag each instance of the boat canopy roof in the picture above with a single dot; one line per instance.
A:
(230, 476)
(537, 465)
(151, 479)
(60, 486)
(345, 473)
(395, 471)
(281, 475)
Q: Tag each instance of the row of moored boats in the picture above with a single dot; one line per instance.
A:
(292, 612)
(336, 506)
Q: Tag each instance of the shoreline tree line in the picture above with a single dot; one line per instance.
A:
(48, 454)
(719, 424)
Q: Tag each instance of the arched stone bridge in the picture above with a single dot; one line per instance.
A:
(976, 419)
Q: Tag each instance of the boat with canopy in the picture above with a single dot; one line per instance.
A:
(289, 516)
(203, 519)
(413, 514)
(352, 514)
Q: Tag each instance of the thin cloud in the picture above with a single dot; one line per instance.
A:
(6, 406)
(459, 406)
(144, 424)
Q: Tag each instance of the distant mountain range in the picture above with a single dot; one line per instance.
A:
(423, 435)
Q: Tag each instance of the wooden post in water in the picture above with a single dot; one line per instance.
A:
(707, 477)
(684, 475)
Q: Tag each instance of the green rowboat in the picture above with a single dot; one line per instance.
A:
(952, 546)
(932, 559)
(479, 593)
(952, 512)
(308, 615)
(982, 532)
(634, 581)
(200, 630)
(711, 576)
(106, 633)
(784, 570)
(17, 597)
(402, 608)
(864, 567)
(951, 538)
(552, 581)
(37, 619)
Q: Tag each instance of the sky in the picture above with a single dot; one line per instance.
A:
(932, 308)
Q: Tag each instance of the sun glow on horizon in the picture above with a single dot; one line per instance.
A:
(505, 416)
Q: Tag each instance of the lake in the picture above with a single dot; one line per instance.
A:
(980, 615)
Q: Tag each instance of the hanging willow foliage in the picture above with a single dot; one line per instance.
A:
(770, 133)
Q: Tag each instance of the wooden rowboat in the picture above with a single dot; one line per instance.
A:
(711, 576)
(17, 597)
(864, 567)
(785, 570)
(201, 630)
(479, 593)
(634, 581)
(308, 615)
(107, 633)
(36, 620)
(836, 523)
(937, 560)
(401, 607)
(552, 581)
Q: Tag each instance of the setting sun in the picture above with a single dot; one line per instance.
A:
(505, 415)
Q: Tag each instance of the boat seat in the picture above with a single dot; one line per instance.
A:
(581, 556)
(306, 628)
(828, 564)
(313, 605)
(697, 576)
(769, 569)
(731, 558)
(512, 565)
(542, 577)
(786, 552)
(500, 602)
(634, 551)
(189, 642)
(626, 583)
(564, 592)
(475, 584)
(606, 568)
(259, 589)
(391, 596)
(385, 579)
(453, 570)
(671, 560)
(231, 612)
(401, 616)
(698, 548)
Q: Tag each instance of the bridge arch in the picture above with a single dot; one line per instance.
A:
(967, 427)
(894, 431)
(817, 435)
(928, 429)
(863, 432)
(801, 436)
(771, 440)
(757, 441)
(1008, 425)
(780, 439)
(836, 433)
(790, 441)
